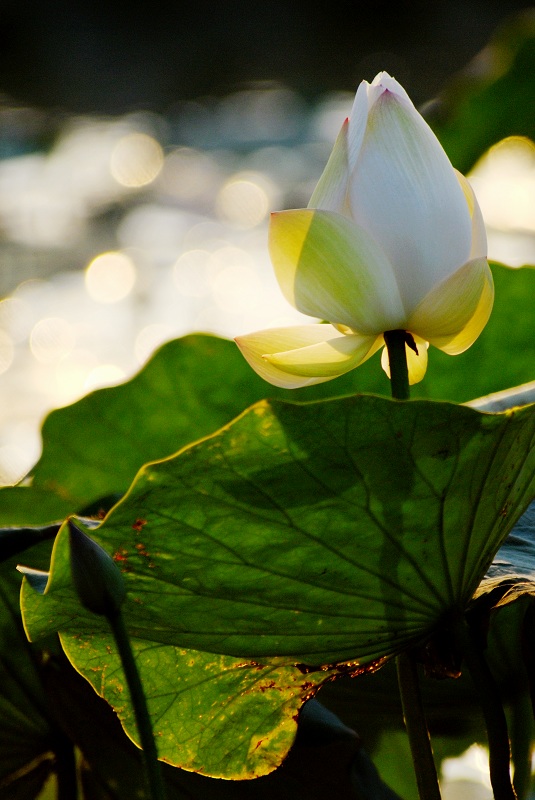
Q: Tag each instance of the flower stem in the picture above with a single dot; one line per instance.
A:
(155, 786)
(495, 721)
(409, 686)
(397, 358)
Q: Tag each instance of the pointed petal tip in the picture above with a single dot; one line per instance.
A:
(381, 76)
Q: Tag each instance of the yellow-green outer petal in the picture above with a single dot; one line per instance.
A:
(454, 313)
(326, 359)
(254, 346)
(479, 234)
(330, 268)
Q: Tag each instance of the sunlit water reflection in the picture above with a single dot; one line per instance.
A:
(132, 231)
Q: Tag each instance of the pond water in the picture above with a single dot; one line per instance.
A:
(128, 231)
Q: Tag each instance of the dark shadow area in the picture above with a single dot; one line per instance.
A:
(95, 56)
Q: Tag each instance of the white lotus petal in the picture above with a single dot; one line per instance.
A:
(403, 190)
(330, 193)
(357, 125)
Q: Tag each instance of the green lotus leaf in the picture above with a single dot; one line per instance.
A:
(297, 538)
(213, 714)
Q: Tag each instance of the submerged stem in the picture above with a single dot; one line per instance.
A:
(416, 725)
(65, 768)
(495, 721)
(522, 744)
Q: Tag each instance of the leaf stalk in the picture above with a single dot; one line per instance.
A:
(155, 785)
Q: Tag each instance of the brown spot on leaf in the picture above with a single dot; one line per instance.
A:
(350, 668)
(262, 687)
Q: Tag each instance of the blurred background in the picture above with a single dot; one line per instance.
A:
(99, 57)
(92, 56)
(143, 145)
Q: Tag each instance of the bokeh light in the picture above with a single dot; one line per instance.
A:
(7, 351)
(14, 315)
(52, 339)
(72, 372)
(245, 199)
(189, 175)
(234, 280)
(110, 277)
(104, 375)
(155, 229)
(190, 273)
(14, 463)
(505, 183)
(136, 160)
